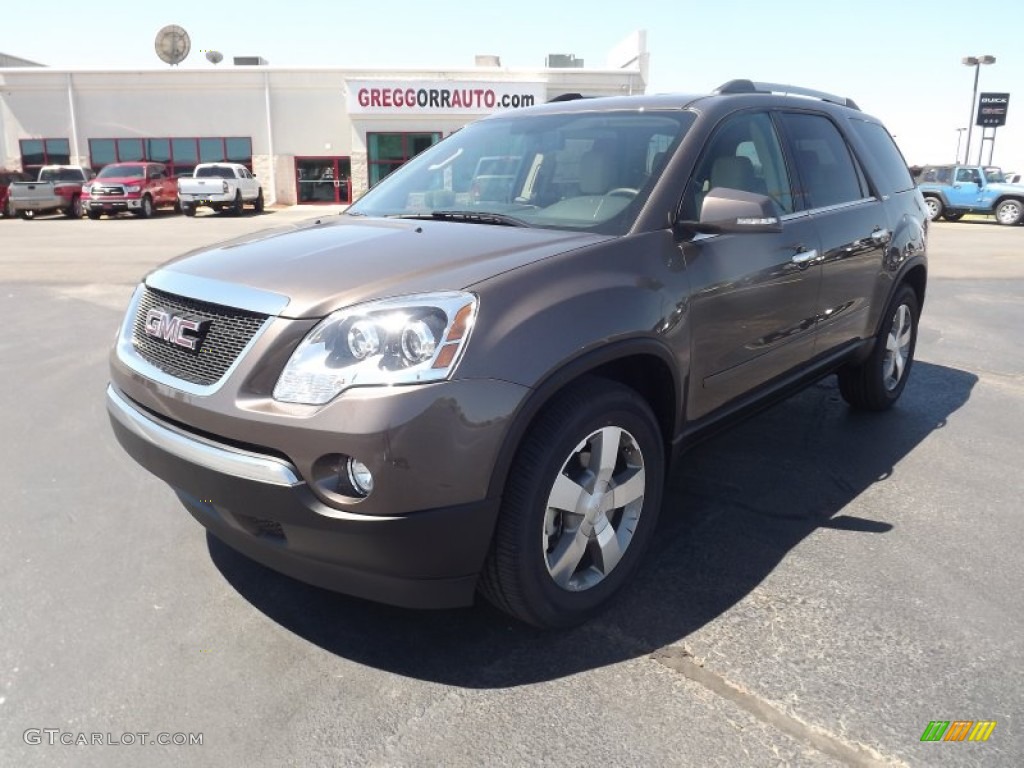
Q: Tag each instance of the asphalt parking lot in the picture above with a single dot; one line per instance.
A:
(824, 584)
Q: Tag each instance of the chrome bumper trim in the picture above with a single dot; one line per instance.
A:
(200, 451)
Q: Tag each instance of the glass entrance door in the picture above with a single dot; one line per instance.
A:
(323, 180)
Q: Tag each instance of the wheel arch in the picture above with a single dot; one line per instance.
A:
(1007, 196)
(936, 193)
(917, 278)
(644, 365)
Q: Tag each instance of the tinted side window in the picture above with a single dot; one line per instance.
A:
(828, 174)
(892, 167)
(744, 153)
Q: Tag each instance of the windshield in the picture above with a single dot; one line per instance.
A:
(60, 174)
(994, 175)
(120, 171)
(215, 172)
(583, 170)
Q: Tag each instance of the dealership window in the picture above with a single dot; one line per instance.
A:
(388, 151)
(180, 154)
(35, 153)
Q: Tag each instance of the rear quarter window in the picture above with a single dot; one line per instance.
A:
(888, 162)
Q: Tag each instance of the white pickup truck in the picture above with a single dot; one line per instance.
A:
(219, 186)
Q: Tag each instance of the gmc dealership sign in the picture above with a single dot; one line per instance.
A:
(992, 109)
(439, 97)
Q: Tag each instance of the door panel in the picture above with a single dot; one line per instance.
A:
(852, 226)
(753, 310)
(854, 239)
(755, 295)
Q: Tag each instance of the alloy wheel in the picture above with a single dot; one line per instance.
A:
(593, 509)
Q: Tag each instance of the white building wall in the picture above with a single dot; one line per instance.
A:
(309, 115)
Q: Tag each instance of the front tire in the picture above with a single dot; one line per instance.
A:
(146, 210)
(877, 383)
(580, 506)
(258, 203)
(934, 206)
(1010, 212)
(94, 215)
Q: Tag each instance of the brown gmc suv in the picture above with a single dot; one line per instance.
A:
(441, 392)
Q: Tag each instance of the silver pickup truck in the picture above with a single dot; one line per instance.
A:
(220, 186)
(58, 188)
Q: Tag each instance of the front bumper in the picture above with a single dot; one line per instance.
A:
(115, 204)
(260, 505)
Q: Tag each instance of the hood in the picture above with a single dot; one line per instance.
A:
(333, 263)
(117, 180)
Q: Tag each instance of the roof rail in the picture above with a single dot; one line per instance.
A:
(567, 97)
(749, 86)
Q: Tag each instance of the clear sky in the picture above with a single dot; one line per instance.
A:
(898, 59)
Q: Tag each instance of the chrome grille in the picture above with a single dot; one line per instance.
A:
(107, 190)
(230, 330)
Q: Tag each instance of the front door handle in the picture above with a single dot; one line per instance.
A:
(805, 258)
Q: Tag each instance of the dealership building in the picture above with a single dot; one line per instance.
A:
(320, 135)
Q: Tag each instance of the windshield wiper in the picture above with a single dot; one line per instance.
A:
(475, 217)
(480, 217)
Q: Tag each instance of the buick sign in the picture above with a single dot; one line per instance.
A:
(176, 329)
(992, 109)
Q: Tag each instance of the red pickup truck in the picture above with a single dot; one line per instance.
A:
(140, 188)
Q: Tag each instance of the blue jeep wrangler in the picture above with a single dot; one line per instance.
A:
(950, 191)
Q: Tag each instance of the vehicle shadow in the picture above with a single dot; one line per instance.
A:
(734, 508)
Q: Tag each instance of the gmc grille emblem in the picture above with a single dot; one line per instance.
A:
(176, 329)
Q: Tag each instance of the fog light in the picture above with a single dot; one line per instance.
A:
(359, 476)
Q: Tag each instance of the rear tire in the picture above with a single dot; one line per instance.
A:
(26, 215)
(236, 205)
(9, 209)
(934, 206)
(74, 210)
(188, 210)
(580, 506)
(1010, 212)
(877, 383)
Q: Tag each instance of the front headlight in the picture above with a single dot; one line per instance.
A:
(86, 189)
(132, 190)
(406, 340)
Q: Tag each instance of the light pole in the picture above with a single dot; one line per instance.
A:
(976, 62)
(959, 135)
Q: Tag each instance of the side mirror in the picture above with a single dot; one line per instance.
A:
(733, 211)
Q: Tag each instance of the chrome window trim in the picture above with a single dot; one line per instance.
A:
(225, 294)
(126, 353)
(841, 206)
(200, 451)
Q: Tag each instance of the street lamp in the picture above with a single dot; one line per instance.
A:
(959, 135)
(976, 62)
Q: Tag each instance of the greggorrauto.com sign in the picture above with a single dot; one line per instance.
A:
(449, 97)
